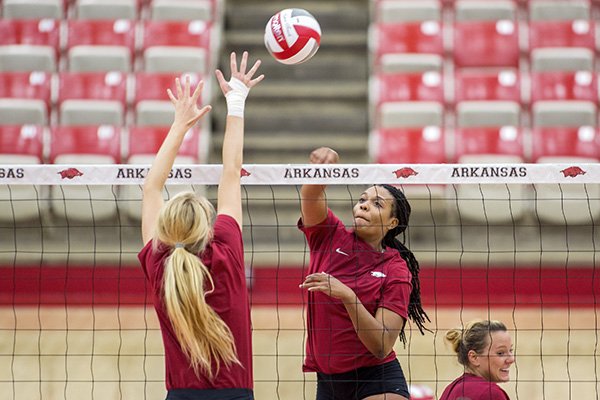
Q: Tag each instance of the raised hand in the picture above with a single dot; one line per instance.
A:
(187, 112)
(239, 74)
(324, 155)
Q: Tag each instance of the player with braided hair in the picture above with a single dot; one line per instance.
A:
(363, 285)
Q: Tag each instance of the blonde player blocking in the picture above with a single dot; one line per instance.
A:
(194, 262)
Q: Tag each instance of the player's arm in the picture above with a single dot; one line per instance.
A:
(187, 114)
(235, 90)
(378, 333)
(313, 200)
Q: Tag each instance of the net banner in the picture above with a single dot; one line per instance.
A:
(281, 174)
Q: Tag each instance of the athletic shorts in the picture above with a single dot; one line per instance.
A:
(363, 382)
(210, 394)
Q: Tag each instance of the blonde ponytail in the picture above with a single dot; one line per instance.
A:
(185, 223)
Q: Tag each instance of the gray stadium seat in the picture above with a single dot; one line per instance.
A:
(407, 63)
(484, 10)
(99, 59)
(564, 113)
(23, 111)
(175, 59)
(562, 59)
(106, 9)
(181, 10)
(487, 113)
(558, 10)
(91, 112)
(27, 58)
(154, 113)
(409, 11)
(411, 114)
(32, 9)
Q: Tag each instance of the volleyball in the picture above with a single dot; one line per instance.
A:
(292, 36)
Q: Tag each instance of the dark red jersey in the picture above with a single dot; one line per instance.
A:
(379, 279)
(473, 387)
(224, 257)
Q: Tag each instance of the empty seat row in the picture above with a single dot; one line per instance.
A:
(89, 98)
(481, 33)
(127, 33)
(106, 45)
(418, 132)
(109, 9)
(555, 74)
(105, 144)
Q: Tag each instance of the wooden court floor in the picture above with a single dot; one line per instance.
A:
(116, 353)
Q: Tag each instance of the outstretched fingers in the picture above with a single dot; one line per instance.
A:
(233, 63)
(244, 63)
(197, 91)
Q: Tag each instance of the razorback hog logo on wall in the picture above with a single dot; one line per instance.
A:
(244, 172)
(405, 172)
(572, 172)
(70, 173)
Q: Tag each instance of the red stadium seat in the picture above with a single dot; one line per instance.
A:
(487, 84)
(505, 140)
(486, 43)
(102, 140)
(581, 141)
(410, 26)
(408, 37)
(44, 32)
(572, 33)
(93, 86)
(153, 86)
(564, 85)
(409, 145)
(561, 24)
(414, 86)
(26, 85)
(22, 140)
(146, 140)
(101, 33)
(176, 33)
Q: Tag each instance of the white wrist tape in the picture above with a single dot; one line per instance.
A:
(236, 98)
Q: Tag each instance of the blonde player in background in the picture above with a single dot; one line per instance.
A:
(194, 262)
(485, 350)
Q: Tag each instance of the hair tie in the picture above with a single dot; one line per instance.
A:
(179, 245)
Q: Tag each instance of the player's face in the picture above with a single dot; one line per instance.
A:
(373, 213)
(496, 363)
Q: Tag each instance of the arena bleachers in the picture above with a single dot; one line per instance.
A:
(75, 69)
(531, 64)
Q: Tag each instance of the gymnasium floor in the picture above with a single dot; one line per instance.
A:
(55, 352)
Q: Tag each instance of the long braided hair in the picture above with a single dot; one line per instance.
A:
(401, 210)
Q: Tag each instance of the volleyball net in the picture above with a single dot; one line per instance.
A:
(516, 243)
